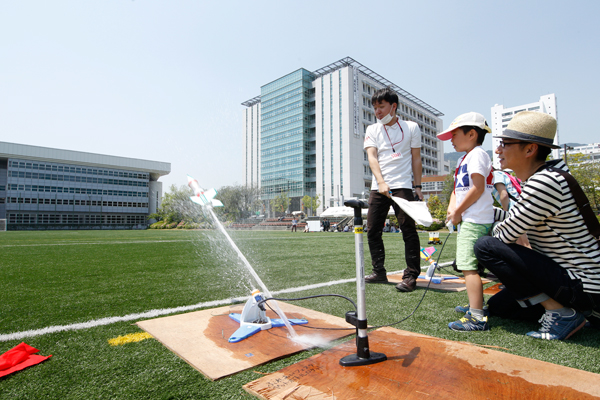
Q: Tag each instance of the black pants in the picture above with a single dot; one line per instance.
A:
(379, 206)
(526, 273)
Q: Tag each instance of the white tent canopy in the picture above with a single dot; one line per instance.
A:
(416, 209)
(333, 212)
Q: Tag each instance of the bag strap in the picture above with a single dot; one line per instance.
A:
(583, 204)
(514, 182)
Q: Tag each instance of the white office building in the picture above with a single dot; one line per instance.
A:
(591, 152)
(501, 116)
(45, 188)
(304, 134)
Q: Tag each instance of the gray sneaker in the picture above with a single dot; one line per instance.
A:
(556, 327)
(467, 308)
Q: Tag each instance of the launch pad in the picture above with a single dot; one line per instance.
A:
(418, 366)
(424, 367)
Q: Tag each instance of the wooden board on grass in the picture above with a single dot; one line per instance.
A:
(451, 285)
(201, 338)
(493, 289)
(424, 367)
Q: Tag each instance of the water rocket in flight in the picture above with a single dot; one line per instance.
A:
(201, 196)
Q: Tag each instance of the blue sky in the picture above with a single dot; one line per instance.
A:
(164, 80)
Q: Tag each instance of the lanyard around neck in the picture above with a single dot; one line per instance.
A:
(388, 135)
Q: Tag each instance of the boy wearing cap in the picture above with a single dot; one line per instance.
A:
(393, 149)
(471, 205)
(559, 277)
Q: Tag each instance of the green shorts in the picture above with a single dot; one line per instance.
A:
(468, 235)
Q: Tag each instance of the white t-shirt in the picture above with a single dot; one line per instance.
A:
(394, 144)
(477, 161)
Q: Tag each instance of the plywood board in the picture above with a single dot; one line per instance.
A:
(452, 285)
(201, 338)
(493, 289)
(424, 367)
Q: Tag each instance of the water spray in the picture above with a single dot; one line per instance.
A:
(206, 199)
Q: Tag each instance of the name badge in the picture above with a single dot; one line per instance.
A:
(396, 155)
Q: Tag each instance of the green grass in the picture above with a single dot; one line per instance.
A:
(59, 278)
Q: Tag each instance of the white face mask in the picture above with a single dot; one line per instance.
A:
(386, 120)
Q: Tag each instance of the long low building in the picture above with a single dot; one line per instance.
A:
(46, 188)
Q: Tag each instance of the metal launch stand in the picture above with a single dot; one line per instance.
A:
(363, 356)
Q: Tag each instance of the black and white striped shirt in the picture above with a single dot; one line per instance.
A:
(548, 213)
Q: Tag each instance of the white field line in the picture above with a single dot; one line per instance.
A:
(151, 313)
(90, 243)
(163, 311)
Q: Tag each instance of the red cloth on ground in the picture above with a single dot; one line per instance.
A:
(19, 357)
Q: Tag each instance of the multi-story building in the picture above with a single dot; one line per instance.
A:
(434, 186)
(501, 117)
(591, 152)
(304, 134)
(45, 188)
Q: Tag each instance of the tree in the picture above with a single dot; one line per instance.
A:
(239, 201)
(176, 206)
(280, 203)
(447, 191)
(437, 208)
(311, 203)
(316, 203)
(587, 174)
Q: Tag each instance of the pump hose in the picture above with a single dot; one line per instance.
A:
(354, 304)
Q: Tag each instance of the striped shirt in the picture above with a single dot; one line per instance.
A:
(548, 213)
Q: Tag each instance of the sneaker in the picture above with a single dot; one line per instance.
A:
(555, 327)
(376, 278)
(469, 323)
(467, 308)
(594, 319)
(407, 285)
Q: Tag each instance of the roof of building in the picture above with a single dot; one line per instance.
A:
(348, 61)
(28, 152)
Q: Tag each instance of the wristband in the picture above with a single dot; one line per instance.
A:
(418, 186)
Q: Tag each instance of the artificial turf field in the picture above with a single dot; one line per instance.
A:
(60, 278)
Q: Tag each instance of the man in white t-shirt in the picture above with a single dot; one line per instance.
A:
(394, 152)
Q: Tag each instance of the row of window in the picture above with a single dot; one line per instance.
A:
(401, 107)
(101, 219)
(72, 178)
(58, 189)
(535, 108)
(76, 170)
(75, 202)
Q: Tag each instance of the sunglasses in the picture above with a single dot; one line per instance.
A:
(503, 144)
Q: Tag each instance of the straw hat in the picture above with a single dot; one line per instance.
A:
(533, 127)
(466, 119)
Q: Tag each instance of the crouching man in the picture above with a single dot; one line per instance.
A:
(558, 278)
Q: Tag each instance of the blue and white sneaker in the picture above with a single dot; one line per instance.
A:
(467, 308)
(469, 323)
(555, 327)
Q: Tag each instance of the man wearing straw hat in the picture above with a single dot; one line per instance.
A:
(558, 278)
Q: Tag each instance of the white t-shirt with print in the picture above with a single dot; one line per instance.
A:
(394, 144)
(477, 161)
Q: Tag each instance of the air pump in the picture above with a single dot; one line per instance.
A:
(358, 319)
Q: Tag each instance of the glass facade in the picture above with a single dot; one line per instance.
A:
(287, 135)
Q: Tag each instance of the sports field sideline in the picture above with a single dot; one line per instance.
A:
(68, 293)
